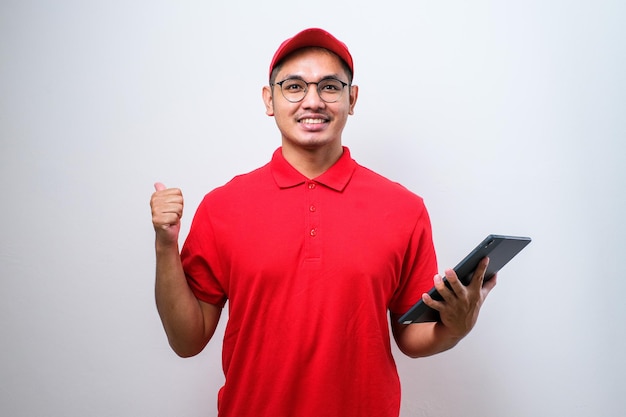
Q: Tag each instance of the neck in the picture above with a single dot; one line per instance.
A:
(312, 162)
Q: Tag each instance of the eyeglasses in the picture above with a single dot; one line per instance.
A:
(295, 89)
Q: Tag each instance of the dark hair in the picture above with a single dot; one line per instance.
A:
(279, 65)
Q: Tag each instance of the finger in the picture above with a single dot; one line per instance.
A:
(479, 275)
(456, 285)
(488, 286)
(430, 302)
(165, 203)
(440, 284)
(174, 208)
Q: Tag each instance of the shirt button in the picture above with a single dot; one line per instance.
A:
(311, 185)
(313, 232)
(312, 208)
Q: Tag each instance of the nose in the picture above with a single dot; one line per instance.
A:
(312, 97)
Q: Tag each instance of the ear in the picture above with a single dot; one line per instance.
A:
(354, 94)
(268, 99)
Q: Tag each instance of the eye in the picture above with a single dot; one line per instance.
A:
(293, 86)
(331, 86)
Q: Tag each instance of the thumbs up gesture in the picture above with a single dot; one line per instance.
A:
(167, 210)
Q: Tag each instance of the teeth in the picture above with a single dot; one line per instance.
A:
(312, 121)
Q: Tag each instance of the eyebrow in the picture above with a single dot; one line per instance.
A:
(325, 77)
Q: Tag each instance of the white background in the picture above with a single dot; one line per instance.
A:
(506, 116)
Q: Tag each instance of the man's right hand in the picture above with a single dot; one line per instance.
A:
(167, 210)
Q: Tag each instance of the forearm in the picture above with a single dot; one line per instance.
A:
(424, 339)
(180, 311)
(458, 311)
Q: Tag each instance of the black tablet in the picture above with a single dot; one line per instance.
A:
(500, 250)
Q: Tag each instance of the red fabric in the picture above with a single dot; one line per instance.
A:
(310, 269)
(313, 37)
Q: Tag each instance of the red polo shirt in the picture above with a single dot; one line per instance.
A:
(310, 269)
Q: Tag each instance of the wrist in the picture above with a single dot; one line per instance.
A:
(445, 333)
(163, 246)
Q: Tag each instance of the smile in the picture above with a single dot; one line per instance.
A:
(312, 121)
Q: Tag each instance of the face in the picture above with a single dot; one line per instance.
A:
(311, 123)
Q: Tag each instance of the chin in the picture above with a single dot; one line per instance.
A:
(314, 143)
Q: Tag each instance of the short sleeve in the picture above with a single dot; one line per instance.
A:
(419, 266)
(200, 258)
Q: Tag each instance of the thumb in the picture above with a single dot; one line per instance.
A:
(158, 186)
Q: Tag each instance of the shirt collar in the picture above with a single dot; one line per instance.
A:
(336, 177)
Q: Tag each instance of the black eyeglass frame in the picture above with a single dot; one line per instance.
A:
(306, 89)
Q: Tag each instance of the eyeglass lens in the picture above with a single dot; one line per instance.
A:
(295, 89)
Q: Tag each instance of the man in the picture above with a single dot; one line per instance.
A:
(312, 252)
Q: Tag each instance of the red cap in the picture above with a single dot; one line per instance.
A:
(313, 37)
